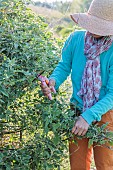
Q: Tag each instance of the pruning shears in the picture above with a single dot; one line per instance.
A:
(45, 81)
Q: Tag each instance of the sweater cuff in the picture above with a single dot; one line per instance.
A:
(89, 117)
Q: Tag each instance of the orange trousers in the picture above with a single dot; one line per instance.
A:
(81, 155)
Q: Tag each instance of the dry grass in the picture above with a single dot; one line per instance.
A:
(47, 13)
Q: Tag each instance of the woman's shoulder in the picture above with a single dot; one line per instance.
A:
(76, 35)
(74, 38)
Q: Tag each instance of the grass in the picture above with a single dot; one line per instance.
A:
(47, 13)
(53, 17)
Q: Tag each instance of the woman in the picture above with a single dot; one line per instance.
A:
(88, 55)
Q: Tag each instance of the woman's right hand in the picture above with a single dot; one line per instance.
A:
(48, 88)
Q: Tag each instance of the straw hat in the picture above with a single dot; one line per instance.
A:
(99, 18)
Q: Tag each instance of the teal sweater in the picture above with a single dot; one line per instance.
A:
(73, 61)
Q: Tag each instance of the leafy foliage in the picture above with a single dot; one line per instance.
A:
(25, 51)
(26, 48)
(33, 130)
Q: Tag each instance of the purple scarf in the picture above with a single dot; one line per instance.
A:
(91, 79)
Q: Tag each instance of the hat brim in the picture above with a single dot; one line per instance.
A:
(93, 24)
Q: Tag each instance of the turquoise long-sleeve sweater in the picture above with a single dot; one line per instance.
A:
(73, 61)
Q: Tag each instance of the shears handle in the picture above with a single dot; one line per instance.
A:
(45, 81)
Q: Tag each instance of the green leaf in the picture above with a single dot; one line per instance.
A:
(4, 92)
(2, 101)
(90, 143)
(56, 139)
(104, 126)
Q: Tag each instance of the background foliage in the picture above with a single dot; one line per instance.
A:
(57, 14)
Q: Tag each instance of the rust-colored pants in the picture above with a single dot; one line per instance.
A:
(80, 156)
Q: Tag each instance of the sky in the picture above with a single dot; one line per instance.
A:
(49, 1)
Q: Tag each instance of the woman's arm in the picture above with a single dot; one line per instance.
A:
(63, 68)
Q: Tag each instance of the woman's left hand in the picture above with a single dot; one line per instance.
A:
(81, 127)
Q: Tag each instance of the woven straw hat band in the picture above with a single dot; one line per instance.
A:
(102, 9)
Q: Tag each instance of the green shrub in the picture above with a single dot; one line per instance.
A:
(33, 130)
(26, 48)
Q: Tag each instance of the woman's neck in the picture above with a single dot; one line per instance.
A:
(97, 36)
